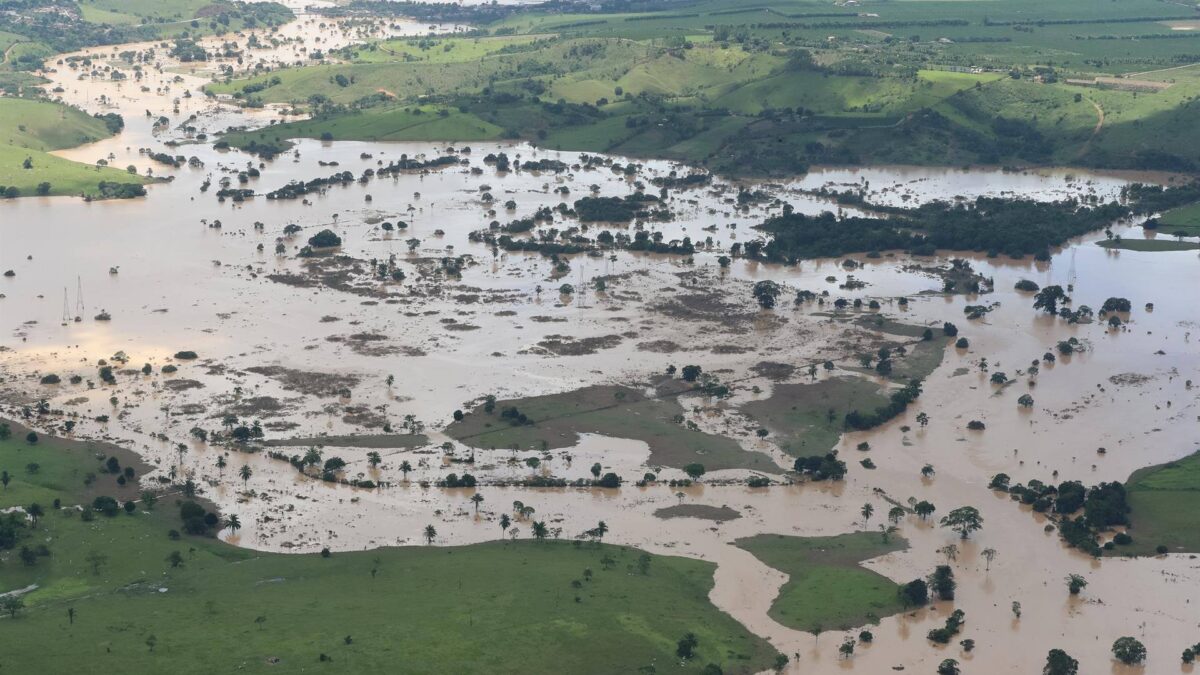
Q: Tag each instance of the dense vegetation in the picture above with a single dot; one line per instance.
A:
(1014, 227)
(773, 89)
(1083, 512)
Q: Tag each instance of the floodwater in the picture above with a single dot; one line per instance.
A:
(171, 281)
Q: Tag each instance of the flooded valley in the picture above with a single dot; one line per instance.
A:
(415, 320)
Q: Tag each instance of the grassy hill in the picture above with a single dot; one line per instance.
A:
(1165, 503)
(106, 595)
(777, 86)
(29, 129)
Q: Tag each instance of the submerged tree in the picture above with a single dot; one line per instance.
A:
(767, 293)
(1129, 650)
(1059, 662)
(964, 520)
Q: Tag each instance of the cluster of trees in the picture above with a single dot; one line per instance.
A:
(407, 163)
(951, 628)
(297, 189)
(1103, 506)
(114, 190)
(196, 520)
(821, 467)
(898, 402)
(619, 209)
(455, 481)
(1016, 227)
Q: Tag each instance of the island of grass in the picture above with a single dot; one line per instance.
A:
(104, 594)
(827, 589)
(30, 129)
(1149, 245)
(808, 419)
(557, 420)
(718, 514)
(1165, 507)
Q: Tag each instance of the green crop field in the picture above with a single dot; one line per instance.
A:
(105, 596)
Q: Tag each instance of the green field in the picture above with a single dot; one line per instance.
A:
(1165, 503)
(1185, 219)
(29, 129)
(807, 419)
(618, 412)
(776, 87)
(827, 589)
(497, 608)
(408, 123)
(1161, 244)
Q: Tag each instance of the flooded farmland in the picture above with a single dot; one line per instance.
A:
(327, 350)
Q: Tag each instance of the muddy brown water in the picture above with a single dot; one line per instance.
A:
(182, 285)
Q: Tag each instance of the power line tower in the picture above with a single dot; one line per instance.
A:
(79, 307)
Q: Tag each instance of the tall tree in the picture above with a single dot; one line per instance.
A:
(964, 520)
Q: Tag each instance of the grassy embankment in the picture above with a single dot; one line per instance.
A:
(1165, 503)
(729, 86)
(30, 129)
(618, 412)
(827, 589)
(1162, 244)
(106, 597)
(1184, 220)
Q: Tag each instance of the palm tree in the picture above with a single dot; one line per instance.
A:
(476, 499)
(539, 529)
(374, 459)
(233, 523)
(405, 467)
(886, 532)
(867, 511)
(246, 472)
(504, 523)
(430, 533)
(221, 464)
(988, 554)
(601, 530)
(313, 456)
